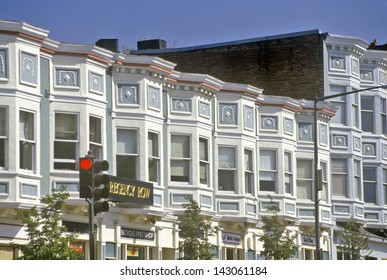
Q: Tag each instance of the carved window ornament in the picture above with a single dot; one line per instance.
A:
(127, 94)
(28, 69)
(355, 66)
(204, 109)
(3, 64)
(154, 98)
(305, 131)
(357, 144)
(249, 117)
(367, 75)
(339, 141)
(228, 114)
(288, 126)
(369, 149)
(181, 105)
(67, 77)
(269, 122)
(337, 62)
(96, 83)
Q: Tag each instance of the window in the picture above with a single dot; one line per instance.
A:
(367, 113)
(27, 141)
(369, 184)
(3, 188)
(110, 251)
(227, 168)
(153, 157)
(268, 170)
(288, 173)
(249, 172)
(180, 158)
(304, 179)
(324, 189)
(3, 137)
(127, 153)
(203, 160)
(384, 185)
(357, 179)
(340, 103)
(383, 117)
(355, 110)
(95, 139)
(339, 177)
(66, 141)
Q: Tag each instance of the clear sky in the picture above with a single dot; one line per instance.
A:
(184, 23)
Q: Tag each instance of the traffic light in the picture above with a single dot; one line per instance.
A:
(85, 177)
(101, 186)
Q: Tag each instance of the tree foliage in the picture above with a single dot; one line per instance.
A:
(47, 238)
(354, 241)
(195, 230)
(278, 244)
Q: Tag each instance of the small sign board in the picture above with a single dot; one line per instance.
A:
(128, 190)
(137, 233)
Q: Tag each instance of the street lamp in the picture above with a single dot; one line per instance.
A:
(316, 170)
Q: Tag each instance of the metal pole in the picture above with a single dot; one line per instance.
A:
(91, 230)
(316, 187)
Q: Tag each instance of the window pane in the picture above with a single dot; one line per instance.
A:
(95, 130)
(304, 190)
(153, 169)
(65, 150)
(203, 149)
(203, 173)
(2, 152)
(249, 160)
(126, 166)
(126, 141)
(369, 192)
(153, 144)
(180, 146)
(26, 128)
(3, 122)
(26, 155)
(288, 162)
(339, 185)
(226, 157)
(304, 169)
(66, 126)
(268, 160)
(226, 180)
(180, 170)
(367, 103)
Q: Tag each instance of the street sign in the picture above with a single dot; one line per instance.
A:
(131, 191)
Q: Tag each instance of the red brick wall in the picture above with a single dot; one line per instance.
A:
(290, 66)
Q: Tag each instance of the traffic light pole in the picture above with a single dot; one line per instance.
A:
(91, 230)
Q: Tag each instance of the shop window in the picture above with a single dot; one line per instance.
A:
(110, 253)
(135, 253)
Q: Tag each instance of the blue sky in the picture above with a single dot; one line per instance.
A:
(185, 23)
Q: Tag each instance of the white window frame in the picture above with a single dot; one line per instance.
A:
(343, 174)
(288, 171)
(373, 182)
(204, 161)
(154, 156)
(75, 141)
(368, 111)
(249, 171)
(185, 160)
(4, 136)
(229, 168)
(306, 181)
(30, 155)
(128, 154)
(96, 145)
(272, 170)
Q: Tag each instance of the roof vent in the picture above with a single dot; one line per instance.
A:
(153, 44)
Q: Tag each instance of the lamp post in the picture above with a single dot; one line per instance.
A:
(316, 170)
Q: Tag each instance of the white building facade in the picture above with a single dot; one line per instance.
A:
(226, 145)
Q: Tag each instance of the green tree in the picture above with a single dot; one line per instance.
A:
(354, 241)
(195, 230)
(278, 243)
(47, 238)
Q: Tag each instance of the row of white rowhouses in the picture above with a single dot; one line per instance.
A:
(228, 146)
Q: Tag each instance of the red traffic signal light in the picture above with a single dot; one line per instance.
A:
(85, 178)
